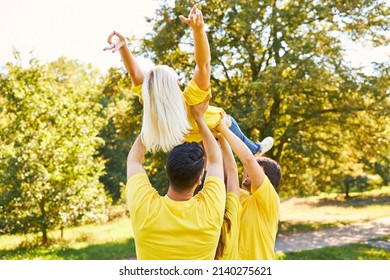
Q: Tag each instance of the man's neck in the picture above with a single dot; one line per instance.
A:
(172, 194)
(245, 187)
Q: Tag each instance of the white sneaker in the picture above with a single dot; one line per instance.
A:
(266, 145)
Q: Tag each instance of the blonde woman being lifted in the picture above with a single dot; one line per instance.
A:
(167, 118)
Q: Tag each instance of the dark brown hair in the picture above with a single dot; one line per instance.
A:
(271, 169)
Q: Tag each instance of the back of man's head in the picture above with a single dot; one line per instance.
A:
(184, 165)
(272, 170)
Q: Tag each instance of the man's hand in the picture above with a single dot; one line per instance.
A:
(199, 109)
(226, 122)
(115, 46)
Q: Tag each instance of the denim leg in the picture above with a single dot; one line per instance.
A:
(254, 147)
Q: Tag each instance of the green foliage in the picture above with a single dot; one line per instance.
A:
(123, 116)
(278, 68)
(48, 139)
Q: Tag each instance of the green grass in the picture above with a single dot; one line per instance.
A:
(114, 240)
(106, 251)
(109, 241)
(358, 251)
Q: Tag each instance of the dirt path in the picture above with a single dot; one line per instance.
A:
(333, 236)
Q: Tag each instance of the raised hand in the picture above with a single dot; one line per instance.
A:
(115, 46)
(195, 18)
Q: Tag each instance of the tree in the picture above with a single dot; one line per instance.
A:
(278, 67)
(119, 129)
(49, 169)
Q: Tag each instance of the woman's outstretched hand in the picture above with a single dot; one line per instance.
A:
(115, 46)
(195, 18)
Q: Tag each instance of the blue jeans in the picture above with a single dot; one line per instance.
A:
(254, 147)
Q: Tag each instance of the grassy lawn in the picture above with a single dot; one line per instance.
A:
(333, 210)
(358, 251)
(114, 240)
(90, 242)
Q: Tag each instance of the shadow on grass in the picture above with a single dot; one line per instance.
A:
(287, 227)
(106, 251)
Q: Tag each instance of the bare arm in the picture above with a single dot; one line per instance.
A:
(213, 152)
(246, 157)
(131, 64)
(135, 158)
(201, 48)
(230, 167)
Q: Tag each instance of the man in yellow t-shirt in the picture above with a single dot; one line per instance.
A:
(260, 214)
(260, 205)
(178, 226)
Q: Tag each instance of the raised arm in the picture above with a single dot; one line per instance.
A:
(135, 158)
(201, 48)
(246, 157)
(230, 167)
(131, 64)
(213, 152)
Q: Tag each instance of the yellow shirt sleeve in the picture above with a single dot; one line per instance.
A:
(268, 200)
(244, 195)
(138, 192)
(194, 95)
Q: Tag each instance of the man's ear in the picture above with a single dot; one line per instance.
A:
(199, 181)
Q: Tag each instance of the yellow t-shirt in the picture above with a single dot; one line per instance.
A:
(230, 237)
(165, 229)
(194, 95)
(259, 222)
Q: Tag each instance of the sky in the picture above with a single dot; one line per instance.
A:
(78, 29)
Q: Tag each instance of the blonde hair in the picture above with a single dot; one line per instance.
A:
(164, 121)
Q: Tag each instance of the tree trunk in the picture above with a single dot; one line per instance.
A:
(43, 222)
(347, 187)
(44, 235)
